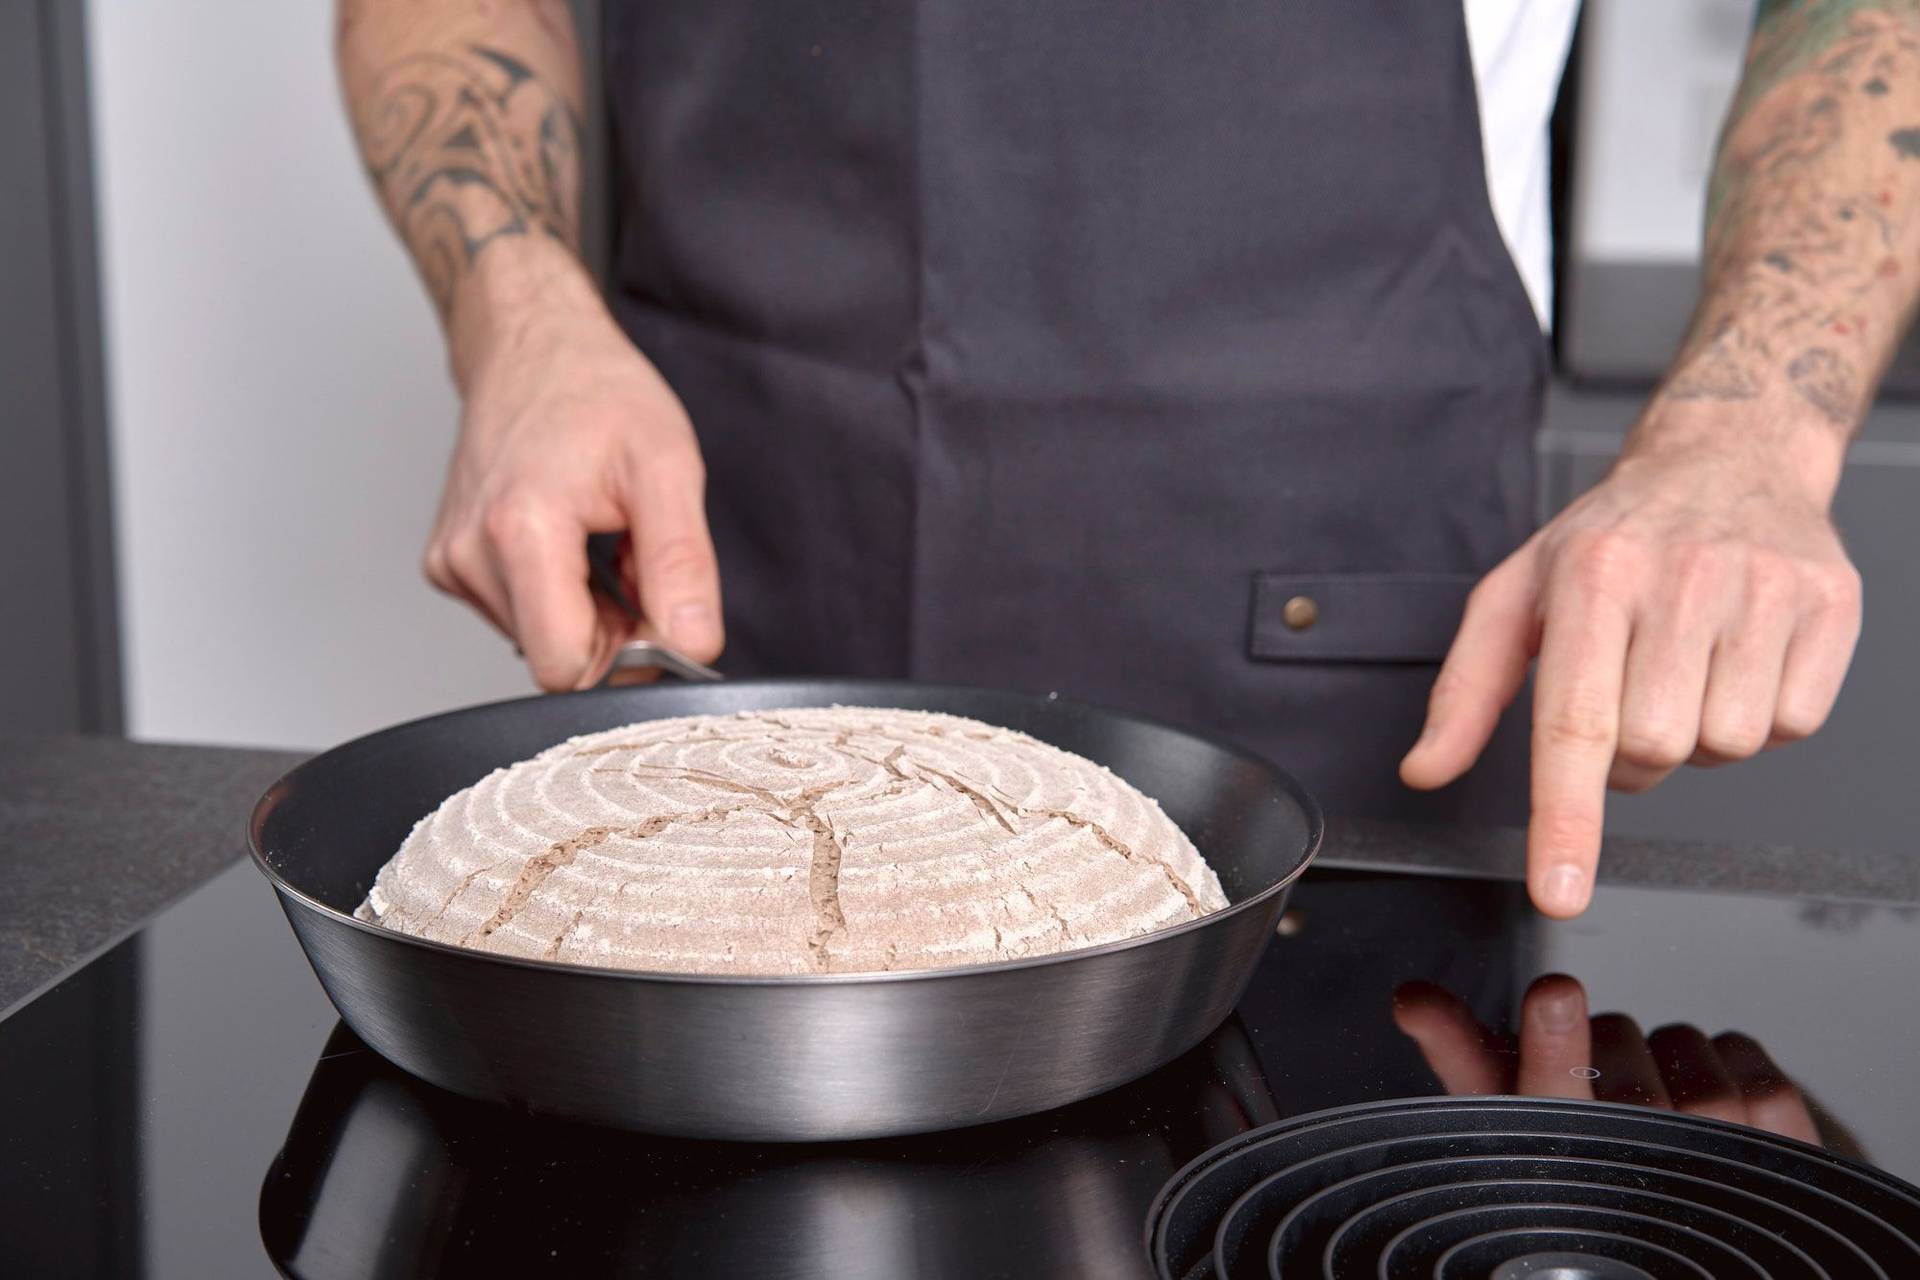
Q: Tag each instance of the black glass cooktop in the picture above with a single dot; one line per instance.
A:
(188, 1105)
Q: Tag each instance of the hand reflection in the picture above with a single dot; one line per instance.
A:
(1561, 1052)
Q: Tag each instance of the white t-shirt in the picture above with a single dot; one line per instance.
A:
(1519, 49)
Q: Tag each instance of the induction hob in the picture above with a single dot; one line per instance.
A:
(188, 1105)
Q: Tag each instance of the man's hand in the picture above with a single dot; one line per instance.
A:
(469, 120)
(1694, 607)
(1697, 605)
(568, 431)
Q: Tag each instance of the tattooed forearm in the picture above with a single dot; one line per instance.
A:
(1826, 380)
(469, 147)
(1813, 226)
(1791, 35)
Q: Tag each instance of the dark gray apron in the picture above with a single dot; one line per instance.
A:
(1061, 345)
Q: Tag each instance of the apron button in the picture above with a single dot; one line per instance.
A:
(1299, 613)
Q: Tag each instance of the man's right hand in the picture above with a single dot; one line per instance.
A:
(469, 120)
(568, 430)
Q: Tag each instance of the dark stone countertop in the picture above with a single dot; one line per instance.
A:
(96, 834)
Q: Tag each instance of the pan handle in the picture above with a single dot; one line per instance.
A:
(645, 653)
(604, 576)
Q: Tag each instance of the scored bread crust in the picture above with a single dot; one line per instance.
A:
(807, 840)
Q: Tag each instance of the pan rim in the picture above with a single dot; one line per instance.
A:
(1287, 783)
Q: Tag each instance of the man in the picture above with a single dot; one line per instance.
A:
(1169, 356)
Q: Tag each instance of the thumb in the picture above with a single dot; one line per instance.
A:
(679, 579)
(1483, 671)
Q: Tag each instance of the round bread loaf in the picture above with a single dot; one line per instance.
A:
(794, 841)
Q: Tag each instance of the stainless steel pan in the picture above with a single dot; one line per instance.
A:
(810, 1057)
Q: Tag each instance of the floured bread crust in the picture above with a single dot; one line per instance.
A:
(794, 841)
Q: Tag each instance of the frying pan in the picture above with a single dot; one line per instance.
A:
(794, 1058)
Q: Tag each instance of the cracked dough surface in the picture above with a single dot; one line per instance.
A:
(794, 841)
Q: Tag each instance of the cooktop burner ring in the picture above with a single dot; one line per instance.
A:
(1532, 1189)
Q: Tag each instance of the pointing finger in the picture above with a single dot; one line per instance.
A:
(1576, 726)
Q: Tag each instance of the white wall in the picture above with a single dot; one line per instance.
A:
(1656, 78)
(280, 411)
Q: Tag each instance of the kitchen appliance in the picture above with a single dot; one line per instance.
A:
(188, 1104)
(807, 1057)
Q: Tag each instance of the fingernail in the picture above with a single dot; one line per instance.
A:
(691, 626)
(1557, 1012)
(1566, 888)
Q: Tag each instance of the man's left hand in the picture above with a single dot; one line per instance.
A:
(1694, 607)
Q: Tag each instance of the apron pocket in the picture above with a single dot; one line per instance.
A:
(1356, 617)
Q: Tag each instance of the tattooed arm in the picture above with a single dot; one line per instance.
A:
(1813, 224)
(1696, 605)
(468, 117)
(469, 122)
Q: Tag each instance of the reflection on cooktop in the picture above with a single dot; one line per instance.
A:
(189, 1105)
(1559, 1051)
(1054, 1195)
